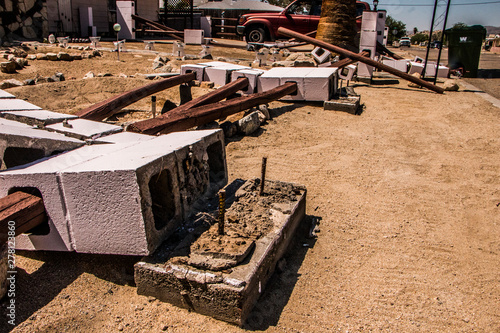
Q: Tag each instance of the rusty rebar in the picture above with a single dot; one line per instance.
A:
(263, 175)
(222, 211)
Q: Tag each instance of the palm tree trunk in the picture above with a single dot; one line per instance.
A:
(337, 24)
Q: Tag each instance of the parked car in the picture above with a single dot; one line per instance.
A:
(405, 41)
(301, 16)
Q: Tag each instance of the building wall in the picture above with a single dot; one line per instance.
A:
(23, 19)
(99, 13)
(148, 9)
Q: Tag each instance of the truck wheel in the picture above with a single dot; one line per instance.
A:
(256, 35)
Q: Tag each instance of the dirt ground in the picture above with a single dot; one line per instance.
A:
(407, 195)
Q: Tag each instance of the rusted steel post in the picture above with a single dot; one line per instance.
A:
(153, 106)
(347, 61)
(214, 96)
(355, 56)
(19, 213)
(222, 211)
(177, 121)
(263, 175)
(112, 105)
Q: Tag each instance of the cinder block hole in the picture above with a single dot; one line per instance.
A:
(320, 52)
(43, 228)
(162, 198)
(15, 156)
(216, 162)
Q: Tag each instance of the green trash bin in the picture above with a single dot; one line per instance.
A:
(464, 48)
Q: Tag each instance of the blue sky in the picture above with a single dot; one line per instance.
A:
(415, 13)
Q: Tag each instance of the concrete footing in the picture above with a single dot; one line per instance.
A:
(345, 104)
(191, 276)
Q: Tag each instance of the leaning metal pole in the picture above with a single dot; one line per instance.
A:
(430, 37)
(442, 41)
(358, 57)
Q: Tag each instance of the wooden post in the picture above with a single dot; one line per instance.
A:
(358, 57)
(110, 106)
(177, 121)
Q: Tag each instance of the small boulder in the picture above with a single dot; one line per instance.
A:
(52, 56)
(265, 110)
(262, 117)
(207, 56)
(229, 129)
(207, 84)
(29, 82)
(414, 85)
(12, 83)
(450, 85)
(31, 57)
(77, 57)
(89, 75)
(8, 67)
(41, 56)
(64, 56)
(249, 124)
(21, 63)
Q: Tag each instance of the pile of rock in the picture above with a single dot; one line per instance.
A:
(13, 60)
(12, 83)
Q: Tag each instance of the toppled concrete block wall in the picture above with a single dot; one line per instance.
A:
(124, 197)
(21, 144)
(313, 84)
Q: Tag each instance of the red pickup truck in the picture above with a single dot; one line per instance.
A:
(301, 16)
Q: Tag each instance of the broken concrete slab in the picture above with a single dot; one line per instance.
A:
(84, 129)
(36, 117)
(17, 105)
(173, 273)
(124, 137)
(4, 94)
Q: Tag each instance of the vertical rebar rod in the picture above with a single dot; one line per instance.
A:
(442, 41)
(263, 175)
(222, 210)
(430, 37)
(153, 106)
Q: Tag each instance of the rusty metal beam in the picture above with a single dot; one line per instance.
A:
(357, 57)
(347, 61)
(177, 121)
(382, 49)
(26, 211)
(114, 104)
(212, 97)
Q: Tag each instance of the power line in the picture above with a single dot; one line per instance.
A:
(431, 5)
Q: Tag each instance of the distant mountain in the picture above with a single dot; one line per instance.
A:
(492, 30)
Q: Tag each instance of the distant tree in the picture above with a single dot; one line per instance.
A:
(415, 30)
(419, 38)
(459, 25)
(280, 3)
(395, 26)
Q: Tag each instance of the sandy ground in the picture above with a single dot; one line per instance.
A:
(407, 195)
